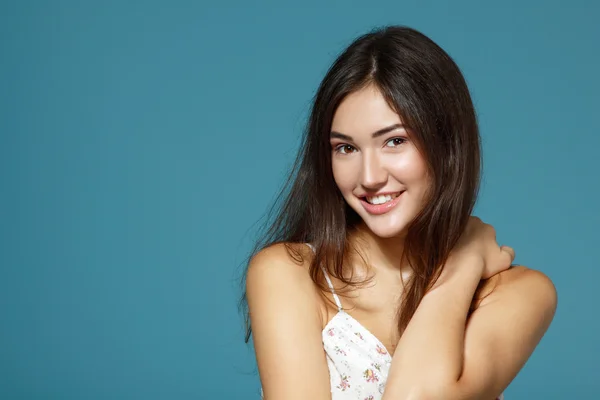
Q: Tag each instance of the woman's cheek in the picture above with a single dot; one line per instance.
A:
(344, 177)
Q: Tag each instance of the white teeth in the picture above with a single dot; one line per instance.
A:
(381, 199)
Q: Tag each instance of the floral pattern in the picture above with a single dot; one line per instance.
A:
(370, 376)
(358, 362)
(343, 384)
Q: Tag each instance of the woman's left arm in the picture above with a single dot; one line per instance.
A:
(438, 357)
(503, 331)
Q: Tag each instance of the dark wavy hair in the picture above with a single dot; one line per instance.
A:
(422, 83)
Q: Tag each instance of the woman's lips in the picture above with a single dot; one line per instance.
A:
(378, 209)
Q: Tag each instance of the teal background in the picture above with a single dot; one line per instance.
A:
(140, 142)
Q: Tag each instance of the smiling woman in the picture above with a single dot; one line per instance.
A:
(374, 281)
(377, 165)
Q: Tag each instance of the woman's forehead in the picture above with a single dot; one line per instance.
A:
(363, 113)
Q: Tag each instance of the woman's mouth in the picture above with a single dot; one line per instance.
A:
(381, 204)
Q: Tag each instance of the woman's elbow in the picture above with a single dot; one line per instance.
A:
(431, 390)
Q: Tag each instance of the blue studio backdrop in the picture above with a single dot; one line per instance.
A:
(141, 141)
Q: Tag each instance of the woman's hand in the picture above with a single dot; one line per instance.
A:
(479, 240)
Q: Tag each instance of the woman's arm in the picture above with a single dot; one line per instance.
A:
(439, 358)
(429, 355)
(503, 332)
(286, 326)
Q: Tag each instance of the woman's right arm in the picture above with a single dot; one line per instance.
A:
(286, 327)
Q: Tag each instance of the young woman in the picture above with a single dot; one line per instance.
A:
(374, 281)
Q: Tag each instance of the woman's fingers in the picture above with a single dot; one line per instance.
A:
(509, 253)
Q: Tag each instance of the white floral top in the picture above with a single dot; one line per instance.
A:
(358, 362)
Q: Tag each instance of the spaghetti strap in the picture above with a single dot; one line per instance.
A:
(335, 296)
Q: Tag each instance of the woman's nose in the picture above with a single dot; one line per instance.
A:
(373, 175)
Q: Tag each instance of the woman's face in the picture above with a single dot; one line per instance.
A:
(376, 166)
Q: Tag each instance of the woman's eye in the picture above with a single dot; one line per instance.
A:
(395, 142)
(344, 149)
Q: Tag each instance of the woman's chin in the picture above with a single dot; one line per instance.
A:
(387, 229)
(389, 225)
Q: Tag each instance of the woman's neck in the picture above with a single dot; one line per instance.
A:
(379, 252)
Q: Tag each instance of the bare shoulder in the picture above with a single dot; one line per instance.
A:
(286, 321)
(278, 277)
(520, 284)
(282, 264)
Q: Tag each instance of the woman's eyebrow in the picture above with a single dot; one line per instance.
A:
(380, 132)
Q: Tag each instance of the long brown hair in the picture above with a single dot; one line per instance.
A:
(422, 83)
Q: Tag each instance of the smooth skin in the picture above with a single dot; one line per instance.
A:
(445, 352)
